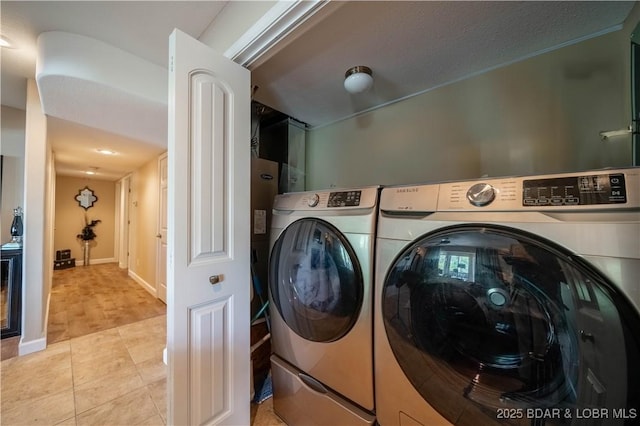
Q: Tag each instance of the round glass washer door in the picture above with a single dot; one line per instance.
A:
(488, 321)
(315, 280)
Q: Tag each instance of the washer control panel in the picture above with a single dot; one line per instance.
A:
(481, 194)
(339, 199)
(344, 199)
(581, 190)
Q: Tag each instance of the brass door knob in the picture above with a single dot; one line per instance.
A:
(215, 279)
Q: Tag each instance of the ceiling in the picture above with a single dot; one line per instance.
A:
(412, 47)
(141, 28)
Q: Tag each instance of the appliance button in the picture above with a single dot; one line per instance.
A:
(481, 194)
(313, 201)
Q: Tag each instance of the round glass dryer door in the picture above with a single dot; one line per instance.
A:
(492, 326)
(315, 280)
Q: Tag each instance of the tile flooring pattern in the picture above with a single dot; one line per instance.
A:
(103, 365)
(112, 377)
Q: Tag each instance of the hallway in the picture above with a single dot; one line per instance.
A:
(112, 377)
(100, 297)
(103, 363)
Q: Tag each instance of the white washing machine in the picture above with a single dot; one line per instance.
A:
(509, 301)
(321, 298)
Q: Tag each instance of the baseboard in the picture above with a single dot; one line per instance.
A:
(151, 289)
(25, 348)
(80, 262)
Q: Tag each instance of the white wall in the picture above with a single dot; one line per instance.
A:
(12, 193)
(12, 150)
(38, 224)
(541, 115)
(143, 217)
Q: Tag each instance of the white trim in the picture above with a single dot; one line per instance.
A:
(46, 314)
(97, 261)
(123, 235)
(151, 289)
(116, 228)
(26, 348)
(272, 27)
(159, 266)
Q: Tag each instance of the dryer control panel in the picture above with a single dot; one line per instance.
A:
(582, 190)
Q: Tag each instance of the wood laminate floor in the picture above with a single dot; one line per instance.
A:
(85, 300)
(103, 363)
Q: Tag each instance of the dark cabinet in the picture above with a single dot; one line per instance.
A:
(11, 292)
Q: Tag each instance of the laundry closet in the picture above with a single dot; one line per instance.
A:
(277, 166)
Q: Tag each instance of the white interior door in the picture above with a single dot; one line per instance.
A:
(161, 244)
(208, 278)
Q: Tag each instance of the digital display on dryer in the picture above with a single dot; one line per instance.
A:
(344, 199)
(575, 191)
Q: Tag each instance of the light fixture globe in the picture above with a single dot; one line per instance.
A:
(358, 79)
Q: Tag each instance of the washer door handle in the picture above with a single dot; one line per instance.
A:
(312, 383)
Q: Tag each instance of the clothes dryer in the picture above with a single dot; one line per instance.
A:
(509, 301)
(320, 290)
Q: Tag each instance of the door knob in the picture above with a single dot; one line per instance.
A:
(158, 235)
(215, 279)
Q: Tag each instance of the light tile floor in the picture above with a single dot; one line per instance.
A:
(114, 377)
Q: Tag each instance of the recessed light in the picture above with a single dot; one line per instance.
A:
(92, 170)
(106, 152)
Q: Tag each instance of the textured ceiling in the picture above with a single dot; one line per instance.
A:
(70, 140)
(413, 47)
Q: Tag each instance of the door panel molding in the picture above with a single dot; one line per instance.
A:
(210, 328)
(208, 147)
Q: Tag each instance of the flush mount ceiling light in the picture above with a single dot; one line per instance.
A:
(358, 79)
(106, 152)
